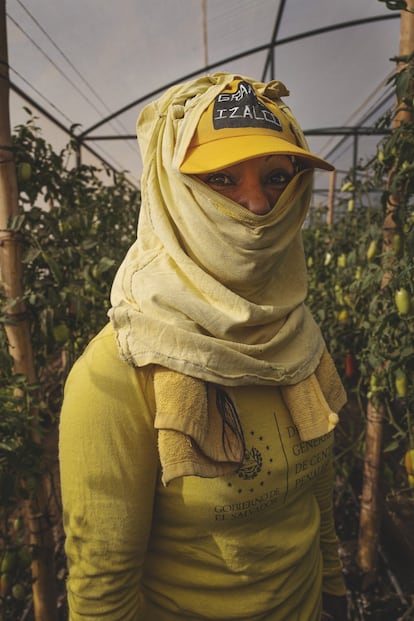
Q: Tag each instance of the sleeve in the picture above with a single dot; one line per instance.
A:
(333, 580)
(109, 469)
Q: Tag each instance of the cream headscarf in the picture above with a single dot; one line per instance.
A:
(210, 290)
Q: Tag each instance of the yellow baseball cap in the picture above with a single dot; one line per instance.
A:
(239, 125)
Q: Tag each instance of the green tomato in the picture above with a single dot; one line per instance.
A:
(396, 243)
(372, 249)
(373, 383)
(348, 186)
(8, 562)
(402, 301)
(343, 316)
(342, 259)
(328, 258)
(409, 462)
(24, 171)
(18, 524)
(18, 592)
(400, 383)
(61, 333)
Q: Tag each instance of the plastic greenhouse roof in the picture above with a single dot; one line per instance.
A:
(96, 63)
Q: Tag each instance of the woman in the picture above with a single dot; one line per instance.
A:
(196, 431)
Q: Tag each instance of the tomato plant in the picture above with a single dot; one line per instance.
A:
(75, 225)
(369, 325)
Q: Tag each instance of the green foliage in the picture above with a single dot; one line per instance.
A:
(75, 225)
(362, 289)
(21, 465)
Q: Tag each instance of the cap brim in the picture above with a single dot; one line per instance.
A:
(225, 152)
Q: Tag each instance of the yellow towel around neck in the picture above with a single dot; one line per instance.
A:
(199, 432)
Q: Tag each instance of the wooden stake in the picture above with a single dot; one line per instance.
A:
(18, 335)
(331, 199)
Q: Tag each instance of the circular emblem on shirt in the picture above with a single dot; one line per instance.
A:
(252, 464)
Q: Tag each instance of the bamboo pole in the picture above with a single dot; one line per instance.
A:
(369, 521)
(370, 515)
(18, 335)
(331, 199)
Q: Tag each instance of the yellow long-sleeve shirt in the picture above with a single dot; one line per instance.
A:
(255, 545)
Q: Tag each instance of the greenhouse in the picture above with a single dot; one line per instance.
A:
(315, 332)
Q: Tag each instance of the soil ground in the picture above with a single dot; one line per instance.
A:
(390, 596)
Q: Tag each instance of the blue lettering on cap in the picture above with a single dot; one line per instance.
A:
(243, 109)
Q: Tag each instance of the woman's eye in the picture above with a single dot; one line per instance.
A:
(219, 179)
(279, 177)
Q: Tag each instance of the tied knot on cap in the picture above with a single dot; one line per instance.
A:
(274, 90)
(177, 111)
